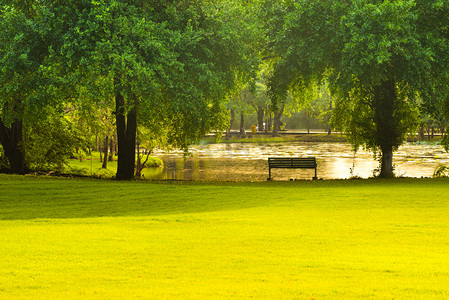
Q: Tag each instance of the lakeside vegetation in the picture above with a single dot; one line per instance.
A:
(267, 138)
(357, 239)
(303, 137)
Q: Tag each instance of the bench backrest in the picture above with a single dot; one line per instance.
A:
(292, 162)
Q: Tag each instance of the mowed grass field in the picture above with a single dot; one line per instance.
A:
(100, 239)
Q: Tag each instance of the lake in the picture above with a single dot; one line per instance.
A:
(248, 161)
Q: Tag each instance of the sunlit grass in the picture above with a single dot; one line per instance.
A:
(97, 239)
(91, 165)
(261, 138)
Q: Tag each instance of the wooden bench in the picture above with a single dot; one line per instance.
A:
(291, 163)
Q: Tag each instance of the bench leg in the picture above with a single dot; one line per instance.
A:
(269, 174)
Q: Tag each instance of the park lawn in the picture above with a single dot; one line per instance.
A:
(91, 165)
(101, 239)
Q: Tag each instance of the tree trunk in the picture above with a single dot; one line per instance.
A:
(111, 149)
(308, 123)
(242, 123)
(260, 113)
(115, 144)
(329, 127)
(126, 138)
(421, 132)
(277, 121)
(268, 121)
(386, 167)
(387, 134)
(267, 124)
(138, 164)
(97, 143)
(231, 122)
(11, 138)
(105, 156)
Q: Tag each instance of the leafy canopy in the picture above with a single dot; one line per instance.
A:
(360, 48)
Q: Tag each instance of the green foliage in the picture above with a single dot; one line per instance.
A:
(49, 143)
(27, 85)
(171, 60)
(3, 160)
(378, 58)
(319, 105)
(30, 85)
(445, 142)
(154, 162)
(360, 118)
(441, 171)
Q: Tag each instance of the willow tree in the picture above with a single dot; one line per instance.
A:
(378, 58)
(167, 65)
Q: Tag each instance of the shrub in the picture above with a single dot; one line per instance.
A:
(441, 171)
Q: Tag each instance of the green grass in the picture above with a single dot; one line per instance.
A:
(261, 138)
(100, 239)
(91, 165)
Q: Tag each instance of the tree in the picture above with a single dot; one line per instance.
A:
(319, 106)
(241, 103)
(260, 103)
(378, 57)
(27, 85)
(49, 141)
(166, 64)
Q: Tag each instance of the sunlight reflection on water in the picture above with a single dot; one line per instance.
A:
(248, 161)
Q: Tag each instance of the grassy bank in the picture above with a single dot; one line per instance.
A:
(97, 239)
(283, 137)
(286, 136)
(91, 165)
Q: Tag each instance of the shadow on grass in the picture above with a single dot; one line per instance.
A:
(27, 197)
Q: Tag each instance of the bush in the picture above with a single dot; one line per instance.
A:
(49, 143)
(154, 162)
(441, 171)
(3, 160)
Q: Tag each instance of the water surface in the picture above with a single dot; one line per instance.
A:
(248, 161)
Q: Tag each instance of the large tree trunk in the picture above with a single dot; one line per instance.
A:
(11, 138)
(126, 139)
(386, 165)
(387, 136)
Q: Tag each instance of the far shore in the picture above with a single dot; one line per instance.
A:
(313, 136)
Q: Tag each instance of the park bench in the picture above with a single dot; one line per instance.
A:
(291, 163)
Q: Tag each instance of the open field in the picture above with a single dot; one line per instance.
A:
(100, 239)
